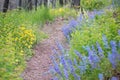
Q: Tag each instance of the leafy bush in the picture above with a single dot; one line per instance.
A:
(40, 16)
(94, 4)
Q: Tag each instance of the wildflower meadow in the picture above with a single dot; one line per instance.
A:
(35, 45)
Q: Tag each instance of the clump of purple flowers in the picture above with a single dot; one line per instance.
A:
(67, 68)
(76, 24)
(68, 29)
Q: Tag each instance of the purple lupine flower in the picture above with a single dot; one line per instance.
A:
(66, 31)
(93, 49)
(112, 60)
(55, 78)
(68, 38)
(79, 78)
(73, 24)
(82, 69)
(66, 74)
(114, 48)
(94, 13)
(70, 64)
(78, 54)
(105, 41)
(63, 61)
(76, 77)
(91, 15)
(100, 76)
(83, 64)
(119, 31)
(85, 60)
(119, 45)
(60, 47)
(114, 78)
(52, 70)
(80, 18)
(56, 66)
(55, 53)
(75, 62)
(98, 12)
(100, 51)
(93, 58)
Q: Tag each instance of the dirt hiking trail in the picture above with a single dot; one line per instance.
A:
(40, 62)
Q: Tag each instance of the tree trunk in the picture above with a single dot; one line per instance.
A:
(61, 2)
(5, 6)
(77, 3)
(65, 2)
(40, 2)
(36, 1)
(53, 3)
(20, 4)
(45, 3)
(29, 5)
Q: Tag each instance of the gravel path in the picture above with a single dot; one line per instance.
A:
(41, 62)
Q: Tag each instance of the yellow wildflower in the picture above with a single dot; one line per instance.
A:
(61, 10)
(22, 28)
(21, 51)
(29, 46)
(16, 38)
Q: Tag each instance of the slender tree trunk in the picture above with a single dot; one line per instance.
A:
(77, 3)
(61, 2)
(45, 3)
(53, 3)
(5, 6)
(29, 5)
(72, 3)
(20, 4)
(65, 2)
(40, 2)
(36, 1)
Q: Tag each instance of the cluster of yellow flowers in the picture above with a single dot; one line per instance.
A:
(57, 12)
(64, 12)
(25, 37)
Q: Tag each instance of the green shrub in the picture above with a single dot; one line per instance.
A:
(116, 3)
(40, 16)
(94, 4)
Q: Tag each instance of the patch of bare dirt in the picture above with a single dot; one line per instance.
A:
(40, 62)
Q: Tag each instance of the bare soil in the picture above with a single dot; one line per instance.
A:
(40, 62)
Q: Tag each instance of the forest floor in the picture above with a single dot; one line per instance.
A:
(40, 62)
